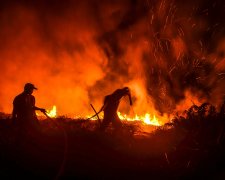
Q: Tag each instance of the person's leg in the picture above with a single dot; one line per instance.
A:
(117, 124)
(104, 124)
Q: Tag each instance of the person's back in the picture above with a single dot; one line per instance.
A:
(26, 126)
(111, 104)
(24, 109)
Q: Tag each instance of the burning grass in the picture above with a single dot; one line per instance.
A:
(191, 145)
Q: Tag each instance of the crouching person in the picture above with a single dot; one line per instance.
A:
(110, 106)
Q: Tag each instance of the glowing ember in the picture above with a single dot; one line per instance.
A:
(52, 112)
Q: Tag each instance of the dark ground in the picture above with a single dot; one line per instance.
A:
(188, 148)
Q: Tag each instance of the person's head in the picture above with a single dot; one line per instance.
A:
(126, 90)
(29, 88)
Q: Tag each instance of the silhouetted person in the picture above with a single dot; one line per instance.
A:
(24, 115)
(111, 103)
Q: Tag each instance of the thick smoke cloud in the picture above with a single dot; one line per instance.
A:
(169, 53)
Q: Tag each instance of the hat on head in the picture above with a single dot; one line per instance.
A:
(126, 89)
(29, 86)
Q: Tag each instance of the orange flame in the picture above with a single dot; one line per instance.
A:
(146, 119)
(53, 112)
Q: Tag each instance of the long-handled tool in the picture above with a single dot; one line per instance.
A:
(96, 114)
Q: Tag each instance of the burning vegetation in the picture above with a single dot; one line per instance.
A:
(169, 53)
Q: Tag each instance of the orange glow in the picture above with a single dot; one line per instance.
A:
(147, 118)
(75, 58)
(53, 112)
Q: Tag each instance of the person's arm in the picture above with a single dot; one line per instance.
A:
(37, 108)
(40, 109)
(129, 95)
(126, 91)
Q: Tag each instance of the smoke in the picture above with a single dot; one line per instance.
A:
(52, 48)
(169, 53)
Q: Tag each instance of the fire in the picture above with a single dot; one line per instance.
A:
(158, 62)
(52, 112)
(147, 119)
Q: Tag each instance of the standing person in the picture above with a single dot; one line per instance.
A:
(111, 104)
(24, 108)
